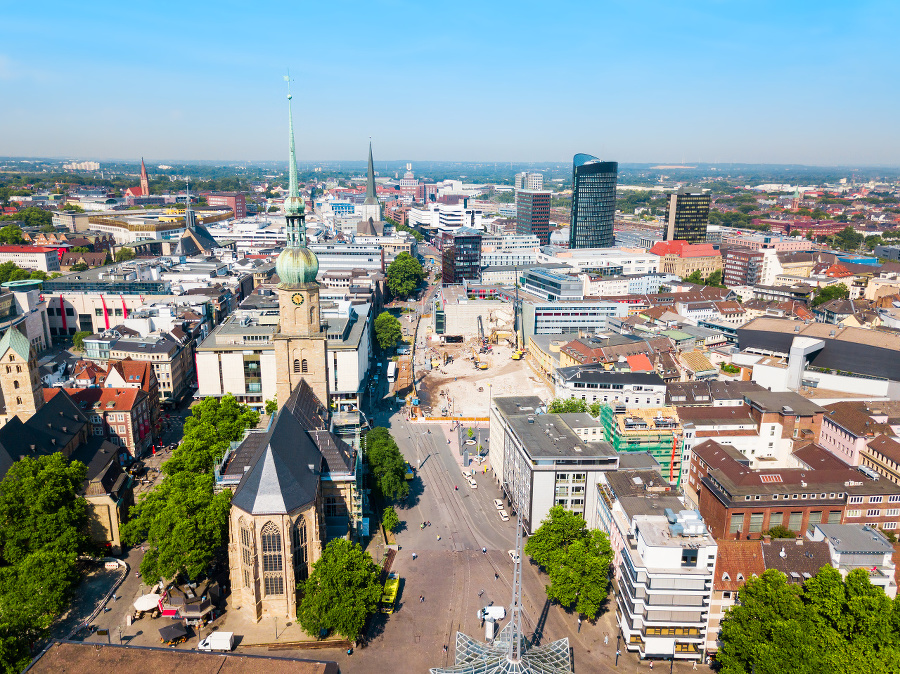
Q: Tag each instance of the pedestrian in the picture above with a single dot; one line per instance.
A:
(422, 598)
(445, 648)
(695, 665)
(651, 664)
(350, 651)
(480, 593)
(496, 576)
(579, 625)
(439, 537)
(414, 555)
(483, 551)
(605, 639)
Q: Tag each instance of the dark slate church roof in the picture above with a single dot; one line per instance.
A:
(283, 474)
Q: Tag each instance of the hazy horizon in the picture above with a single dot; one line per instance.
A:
(646, 82)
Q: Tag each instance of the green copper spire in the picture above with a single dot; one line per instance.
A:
(371, 198)
(296, 264)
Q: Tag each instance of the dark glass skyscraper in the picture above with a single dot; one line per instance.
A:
(533, 214)
(593, 202)
(687, 214)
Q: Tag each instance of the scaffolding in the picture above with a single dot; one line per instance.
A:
(656, 430)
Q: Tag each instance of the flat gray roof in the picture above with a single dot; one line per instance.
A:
(855, 538)
(548, 436)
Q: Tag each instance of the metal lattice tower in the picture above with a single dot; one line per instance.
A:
(509, 654)
(514, 649)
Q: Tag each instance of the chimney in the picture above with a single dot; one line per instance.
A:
(766, 539)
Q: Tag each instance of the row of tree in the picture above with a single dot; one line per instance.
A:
(43, 530)
(183, 520)
(828, 625)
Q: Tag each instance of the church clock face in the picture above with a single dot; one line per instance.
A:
(297, 299)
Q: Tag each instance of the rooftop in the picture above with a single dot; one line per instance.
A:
(548, 436)
(786, 402)
(855, 538)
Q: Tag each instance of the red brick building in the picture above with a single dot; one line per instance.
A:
(740, 503)
(233, 200)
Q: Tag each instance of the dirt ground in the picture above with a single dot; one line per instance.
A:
(470, 389)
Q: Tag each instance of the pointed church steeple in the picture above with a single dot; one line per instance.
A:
(371, 197)
(145, 180)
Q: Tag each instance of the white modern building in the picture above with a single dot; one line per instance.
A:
(528, 180)
(603, 261)
(664, 585)
(445, 216)
(857, 546)
(31, 257)
(238, 356)
(546, 460)
(592, 383)
(547, 317)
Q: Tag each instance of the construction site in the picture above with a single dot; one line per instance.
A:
(656, 430)
(466, 352)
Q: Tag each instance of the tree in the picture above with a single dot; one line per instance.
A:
(78, 339)
(567, 405)
(31, 217)
(387, 330)
(694, 277)
(839, 291)
(387, 464)
(210, 429)
(389, 519)
(43, 525)
(342, 591)
(184, 522)
(714, 279)
(73, 208)
(272, 209)
(124, 254)
(795, 232)
(79, 266)
(271, 406)
(404, 275)
(80, 249)
(576, 559)
(11, 235)
(780, 532)
(828, 625)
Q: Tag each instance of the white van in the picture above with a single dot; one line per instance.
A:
(217, 641)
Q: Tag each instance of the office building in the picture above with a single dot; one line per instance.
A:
(533, 214)
(527, 180)
(31, 257)
(233, 200)
(461, 256)
(687, 215)
(545, 460)
(664, 584)
(683, 259)
(593, 202)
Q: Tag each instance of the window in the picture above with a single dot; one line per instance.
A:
(273, 579)
(18, 401)
(301, 553)
(776, 520)
(296, 366)
(894, 499)
(892, 512)
(304, 367)
(875, 499)
(856, 499)
(889, 525)
(15, 384)
(246, 545)
(795, 521)
(756, 522)
(854, 513)
(874, 512)
(737, 523)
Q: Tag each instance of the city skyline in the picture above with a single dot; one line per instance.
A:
(711, 83)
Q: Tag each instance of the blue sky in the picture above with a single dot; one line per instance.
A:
(768, 82)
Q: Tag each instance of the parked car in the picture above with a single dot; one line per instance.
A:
(513, 555)
(504, 515)
(498, 504)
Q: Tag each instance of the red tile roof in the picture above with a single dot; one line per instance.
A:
(26, 249)
(736, 562)
(639, 363)
(684, 249)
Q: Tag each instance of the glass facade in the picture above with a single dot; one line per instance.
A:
(533, 214)
(687, 215)
(462, 260)
(593, 202)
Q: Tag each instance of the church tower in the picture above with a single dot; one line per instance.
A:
(300, 342)
(371, 207)
(22, 388)
(145, 181)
